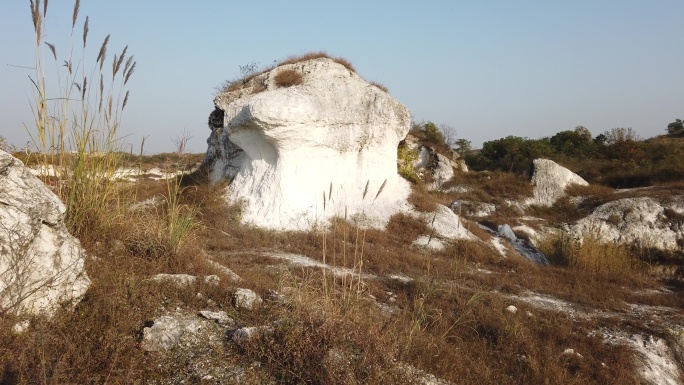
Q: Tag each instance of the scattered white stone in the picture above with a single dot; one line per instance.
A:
(550, 180)
(472, 209)
(184, 279)
(221, 317)
(446, 224)
(224, 270)
(243, 335)
(634, 220)
(496, 242)
(658, 363)
(167, 331)
(20, 327)
(148, 203)
(41, 265)
(571, 352)
(401, 278)
(246, 299)
(431, 243)
(506, 232)
(304, 261)
(512, 309)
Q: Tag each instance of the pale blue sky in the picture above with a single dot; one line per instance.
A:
(487, 68)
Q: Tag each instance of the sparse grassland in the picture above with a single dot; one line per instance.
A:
(396, 309)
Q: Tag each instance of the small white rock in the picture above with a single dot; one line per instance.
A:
(512, 309)
(246, 299)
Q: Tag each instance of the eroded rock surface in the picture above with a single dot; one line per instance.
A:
(645, 221)
(41, 264)
(550, 180)
(284, 148)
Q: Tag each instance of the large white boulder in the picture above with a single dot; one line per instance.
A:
(41, 264)
(285, 148)
(646, 221)
(550, 180)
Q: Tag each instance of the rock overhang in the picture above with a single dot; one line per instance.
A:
(285, 148)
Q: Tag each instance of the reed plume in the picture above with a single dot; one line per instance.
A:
(77, 7)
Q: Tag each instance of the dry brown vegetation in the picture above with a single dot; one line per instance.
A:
(317, 55)
(288, 78)
(240, 83)
(380, 86)
(450, 320)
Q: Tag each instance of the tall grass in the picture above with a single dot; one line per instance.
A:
(76, 120)
(590, 253)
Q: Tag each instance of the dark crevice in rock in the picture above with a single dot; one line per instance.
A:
(216, 118)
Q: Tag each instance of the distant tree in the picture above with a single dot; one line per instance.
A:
(676, 128)
(463, 147)
(620, 134)
(600, 139)
(433, 134)
(449, 133)
(511, 153)
(573, 143)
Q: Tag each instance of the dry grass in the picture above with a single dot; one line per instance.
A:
(380, 86)
(288, 78)
(590, 254)
(317, 55)
(422, 201)
(449, 321)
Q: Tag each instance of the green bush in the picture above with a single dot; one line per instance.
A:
(407, 158)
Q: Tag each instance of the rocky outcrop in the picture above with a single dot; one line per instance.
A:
(645, 221)
(301, 154)
(41, 264)
(550, 180)
(433, 167)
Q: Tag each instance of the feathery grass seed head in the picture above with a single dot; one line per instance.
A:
(77, 7)
(52, 48)
(85, 31)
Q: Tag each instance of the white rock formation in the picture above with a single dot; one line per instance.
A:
(246, 299)
(646, 221)
(286, 147)
(550, 180)
(41, 264)
(445, 224)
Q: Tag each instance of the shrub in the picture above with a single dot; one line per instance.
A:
(288, 78)
(407, 158)
(433, 134)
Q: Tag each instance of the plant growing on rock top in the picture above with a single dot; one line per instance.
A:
(288, 78)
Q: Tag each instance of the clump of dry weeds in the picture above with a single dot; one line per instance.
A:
(288, 78)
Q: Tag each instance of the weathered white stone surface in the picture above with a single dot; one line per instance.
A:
(440, 167)
(446, 224)
(550, 180)
(41, 264)
(644, 221)
(246, 299)
(284, 148)
(430, 243)
(473, 209)
(442, 171)
(181, 280)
